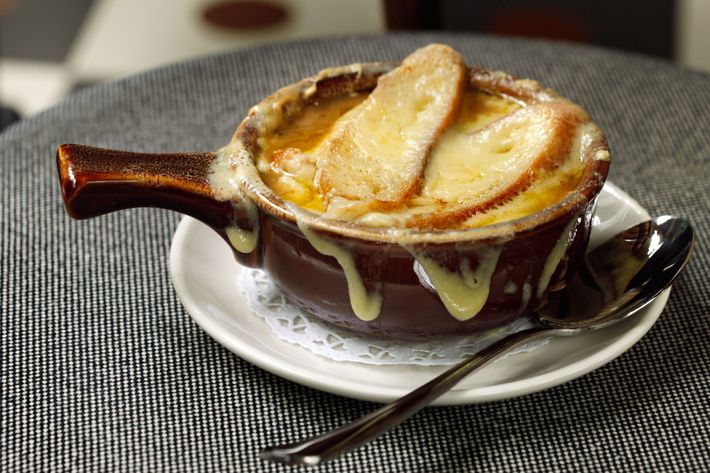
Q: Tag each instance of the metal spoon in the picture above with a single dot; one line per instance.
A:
(616, 280)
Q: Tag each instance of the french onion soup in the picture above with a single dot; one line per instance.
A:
(416, 199)
(422, 150)
(415, 155)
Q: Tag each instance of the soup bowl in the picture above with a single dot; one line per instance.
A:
(395, 282)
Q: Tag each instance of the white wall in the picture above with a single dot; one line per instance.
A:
(116, 40)
(693, 34)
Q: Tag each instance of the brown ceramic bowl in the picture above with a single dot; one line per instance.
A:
(537, 253)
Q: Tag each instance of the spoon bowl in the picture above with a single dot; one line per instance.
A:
(621, 277)
(615, 281)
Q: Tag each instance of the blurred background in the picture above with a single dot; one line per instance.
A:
(49, 48)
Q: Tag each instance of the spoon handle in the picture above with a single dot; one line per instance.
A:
(350, 436)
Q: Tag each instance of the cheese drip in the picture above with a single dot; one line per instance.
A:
(463, 292)
(554, 258)
(366, 305)
(224, 175)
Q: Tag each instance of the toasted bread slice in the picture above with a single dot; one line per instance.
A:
(377, 151)
(472, 173)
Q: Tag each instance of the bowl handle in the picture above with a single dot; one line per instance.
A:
(96, 181)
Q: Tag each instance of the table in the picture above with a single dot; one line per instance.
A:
(103, 370)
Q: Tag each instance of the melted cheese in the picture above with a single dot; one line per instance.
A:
(476, 167)
(465, 291)
(458, 170)
(525, 297)
(290, 174)
(224, 176)
(306, 131)
(242, 240)
(366, 305)
(554, 258)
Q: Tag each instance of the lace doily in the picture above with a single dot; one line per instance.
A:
(292, 324)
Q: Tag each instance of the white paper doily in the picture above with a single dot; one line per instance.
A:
(292, 324)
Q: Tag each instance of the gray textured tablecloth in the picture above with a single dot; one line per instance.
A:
(103, 369)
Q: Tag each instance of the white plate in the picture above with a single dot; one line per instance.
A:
(204, 274)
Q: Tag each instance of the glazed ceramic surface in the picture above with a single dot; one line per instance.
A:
(398, 282)
(205, 279)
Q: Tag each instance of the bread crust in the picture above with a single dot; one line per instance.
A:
(385, 170)
(562, 119)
